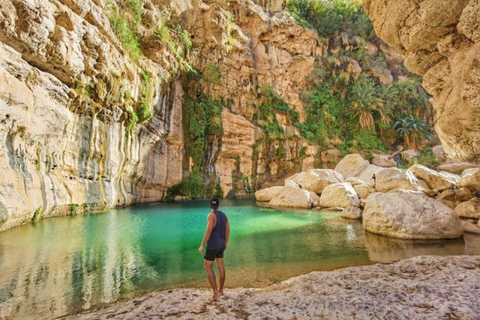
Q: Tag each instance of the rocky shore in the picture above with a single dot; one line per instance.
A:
(424, 287)
(418, 203)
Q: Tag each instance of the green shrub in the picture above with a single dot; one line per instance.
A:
(192, 187)
(73, 208)
(228, 30)
(302, 154)
(136, 8)
(367, 139)
(126, 33)
(272, 104)
(37, 214)
(131, 120)
(202, 117)
(218, 191)
(213, 74)
(163, 33)
(144, 111)
(428, 157)
(330, 17)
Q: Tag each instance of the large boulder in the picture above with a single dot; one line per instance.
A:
(455, 167)
(456, 196)
(410, 215)
(291, 197)
(393, 178)
(440, 155)
(362, 189)
(469, 209)
(410, 155)
(435, 180)
(384, 160)
(267, 194)
(448, 203)
(470, 179)
(316, 180)
(290, 183)
(341, 195)
(351, 164)
(367, 173)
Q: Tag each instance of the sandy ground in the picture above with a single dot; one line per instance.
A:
(427, 287)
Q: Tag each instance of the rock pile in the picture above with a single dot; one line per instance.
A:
(418, 203)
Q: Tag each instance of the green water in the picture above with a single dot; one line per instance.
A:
(69, 264)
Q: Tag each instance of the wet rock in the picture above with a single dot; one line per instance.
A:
(410, 215)
(341, 195)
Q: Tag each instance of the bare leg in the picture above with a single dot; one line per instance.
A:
(211, 280)
(221, 270)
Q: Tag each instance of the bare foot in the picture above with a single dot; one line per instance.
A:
(214, 297)
(221, 293)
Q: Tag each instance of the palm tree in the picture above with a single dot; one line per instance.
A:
(364, 101)
(389, 97)
(412, 130)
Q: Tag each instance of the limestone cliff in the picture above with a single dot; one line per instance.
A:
(440, 40)
(111, 103)
(91, 111)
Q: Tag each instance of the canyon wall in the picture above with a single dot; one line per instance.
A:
(440, 40)
(112, 103)
(71, 98)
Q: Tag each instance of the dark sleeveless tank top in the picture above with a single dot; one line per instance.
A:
(217, 238)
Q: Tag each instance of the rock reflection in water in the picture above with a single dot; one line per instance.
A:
(77, 266)
(384, 249)
(69, 264)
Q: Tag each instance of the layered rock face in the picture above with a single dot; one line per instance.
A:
(91, 109)
(440, 40)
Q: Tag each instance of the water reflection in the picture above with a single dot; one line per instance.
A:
(77, 266)
(384, 249)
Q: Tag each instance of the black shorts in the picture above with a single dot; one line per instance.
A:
(210, 255)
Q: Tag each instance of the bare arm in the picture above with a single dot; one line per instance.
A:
(208, 232)
(227, 234)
